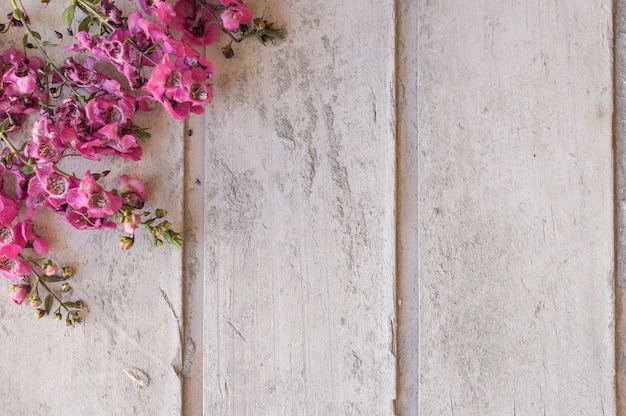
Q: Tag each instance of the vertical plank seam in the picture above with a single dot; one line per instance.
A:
(192, 366)
(618, 217)
(397, 206)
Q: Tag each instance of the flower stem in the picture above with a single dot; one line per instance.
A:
(14, 150)
(45, 286)
(88, 10)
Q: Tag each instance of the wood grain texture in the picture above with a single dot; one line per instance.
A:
(133, 298)
(299, 217)
(516, 208)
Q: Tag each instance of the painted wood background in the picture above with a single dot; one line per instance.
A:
(404, 208)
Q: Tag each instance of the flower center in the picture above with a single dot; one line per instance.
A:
(112, 115)
(6, 235)
(56, 186)
(8, 264)
(99, 200)
(46, 150)
(113, 49)
(198, 93)
(173, 79)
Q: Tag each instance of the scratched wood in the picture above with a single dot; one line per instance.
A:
(516, 208)
(134, 298)
(299, 217)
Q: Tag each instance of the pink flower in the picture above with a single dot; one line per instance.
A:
(11, 267)
(45, 144)
(92, 197)
(196, 31)
(103, 111)
(19, 293)
(179, 89)
(132, 191)
(236, 15)
(26, 234)
(161, 8)
(8, 210)
(21, 77)
(81, 221)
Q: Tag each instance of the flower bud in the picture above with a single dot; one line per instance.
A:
(131, 222)
(19, 293)
(160, 213)
(49, 268)
(39, 313)
(67, 272)
(126, 242)
(158, 243)
(58, 316)
(66, 287)
(34, 301)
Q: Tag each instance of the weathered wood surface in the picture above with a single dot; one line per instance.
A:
(299, 218)
(516, 208)
(300, 191)
(134, 298)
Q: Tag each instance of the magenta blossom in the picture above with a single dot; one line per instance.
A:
(45, 144)
(180, 90)
(92, 197)
(80, 220)
(8, 210)
(161, 9)
(19, 293)
(132, 191)
(196, 31)
(21, 76)
(11, 267)
(235, 15)
(102, 111)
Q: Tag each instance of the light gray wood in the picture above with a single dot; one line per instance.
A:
(516, 208)
(133, 298)
(299, 218)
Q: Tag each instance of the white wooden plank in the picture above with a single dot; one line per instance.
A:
(299, 237)
(134, 298)
(515, 208)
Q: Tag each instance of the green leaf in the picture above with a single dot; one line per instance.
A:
(17, 14)
(5, 123)
(25, 40)
(68, 15)
(36, 35)
(84, 25)
(47, 303)
(27, 169)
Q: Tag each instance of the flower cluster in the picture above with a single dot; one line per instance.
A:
(80, 111)
(163, 37)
